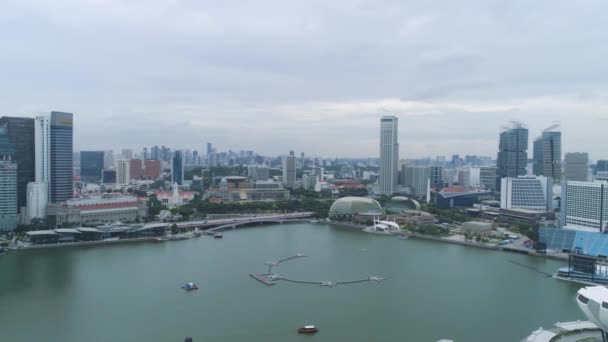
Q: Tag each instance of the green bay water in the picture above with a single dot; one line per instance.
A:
(131, 292)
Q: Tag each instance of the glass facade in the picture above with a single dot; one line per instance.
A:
(513, 152)
(61, 156)
(91, 165)
(8, 195)
(21, 135)
(177, 168)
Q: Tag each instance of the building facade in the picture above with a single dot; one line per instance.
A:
(91, 166)
(548, 155)
(258, 172)
(417, 179)
(21, 134)
(37, 200)
(513, 151)
(577, 166)
(136, 169)
(487, 177)
(389, 154)
(123, 172)
(527, 192)
(177, 168)
(61, 149)
(437, 177)
(289, 170)
(108, 176)
(97, 210)
(585, 206)
(152, 169)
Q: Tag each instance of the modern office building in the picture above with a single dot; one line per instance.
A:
(577, 166)
(177, 168)
(585, 206)
(42, 149)
(123, 172)
(109, 176)
(61, 149)
(548, 155)
(8, 195)
(136, 169)
(437, 177)
(602, 165)
(37, 200)
(527, 192)
(258, 172)
(91, 165)
(289, 170)
(8, 182)
(389, 154)
(152, 169)
(513, 151)
(417, 178)
(21, 134)
(487, 177)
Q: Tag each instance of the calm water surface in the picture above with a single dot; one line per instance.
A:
(132, 292)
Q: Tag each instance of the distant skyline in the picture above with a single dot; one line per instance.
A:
(316, 77)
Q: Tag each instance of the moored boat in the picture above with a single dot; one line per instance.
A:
(218, 235)
(308, 329)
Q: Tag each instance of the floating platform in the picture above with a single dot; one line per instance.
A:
(261, 279)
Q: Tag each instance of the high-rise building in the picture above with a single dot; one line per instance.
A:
(527, 192)
(155, 152)
(144, 154)
(136, 170)
(289, 170)
(548, 155)
(513, 151)
(61, 149)
(437, 177)
(109, 176)
(108, 159)
(577, 166)
(389, 154)
(487, 177)
(602, 165)
(127, 153)
(258, 172)
(151, 169)
(37, 200)
(123, 172)
(417, 179)
(42, 150)
(8, 195)
(177, 168)
(585, 206)
(21, 134)
(91, 165)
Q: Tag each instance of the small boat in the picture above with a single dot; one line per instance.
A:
(308, 329)
(403, 237)
(328, 283)
(218, 235)
(190, 287)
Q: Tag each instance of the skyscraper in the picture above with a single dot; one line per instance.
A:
(37, 200)
(602, 165)
(512, 151)
(289, 169)
(91, 165)
(436, 177)
(548, 155)
(389, 154)
(61, 149)
(417, 179)
(177, 168)
(8, 183)
(577, 166)
(123, 172)
(21, 134)
(42, 139)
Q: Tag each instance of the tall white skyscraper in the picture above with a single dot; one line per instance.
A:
(123, 172)
(389, 154)
(37, 200)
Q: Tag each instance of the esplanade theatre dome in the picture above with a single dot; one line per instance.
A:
(355, 205)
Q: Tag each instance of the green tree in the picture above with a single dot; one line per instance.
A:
(174, 229)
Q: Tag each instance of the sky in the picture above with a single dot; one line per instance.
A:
(312, 76)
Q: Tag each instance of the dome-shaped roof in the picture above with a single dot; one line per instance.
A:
(355, 205)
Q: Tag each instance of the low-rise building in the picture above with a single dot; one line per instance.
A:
(175, 198)
(97, 210)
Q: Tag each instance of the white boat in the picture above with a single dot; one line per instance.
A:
(383, 227)
(376, 278)
(327, 283)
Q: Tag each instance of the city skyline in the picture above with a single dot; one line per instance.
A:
(185, 72)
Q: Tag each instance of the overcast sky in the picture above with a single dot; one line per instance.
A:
(312, 76)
